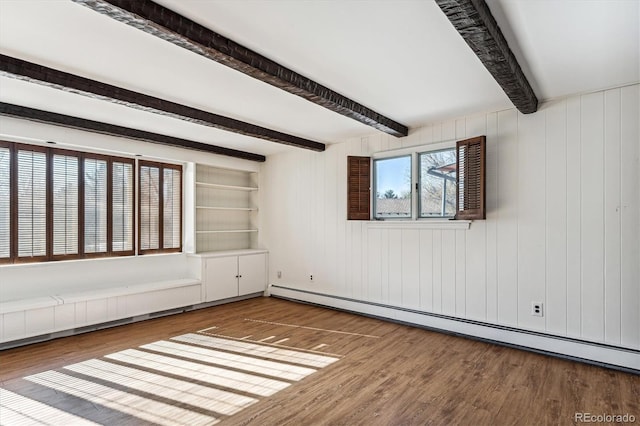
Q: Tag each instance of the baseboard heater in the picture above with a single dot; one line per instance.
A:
(600, 354)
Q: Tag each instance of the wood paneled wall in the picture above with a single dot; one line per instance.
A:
(562, 228)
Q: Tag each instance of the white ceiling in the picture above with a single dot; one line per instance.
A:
(401, 58)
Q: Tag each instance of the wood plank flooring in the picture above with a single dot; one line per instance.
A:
(272, 362)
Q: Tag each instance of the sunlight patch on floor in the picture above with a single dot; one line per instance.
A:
(192, 379)
(270, 368)
(16, 409)
(204, 397)
(125, 402)
(246, 348)
(228, 379)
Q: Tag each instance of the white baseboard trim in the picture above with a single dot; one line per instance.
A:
(590, 352)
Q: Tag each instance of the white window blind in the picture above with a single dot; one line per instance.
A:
(171, 209)
(5, 206)
(32, 203)
(122, 193)
(65, 204)
(95, 205)
(149, 208)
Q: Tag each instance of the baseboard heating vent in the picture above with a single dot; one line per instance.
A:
(170, 312)
(102, 325)
(27, 341)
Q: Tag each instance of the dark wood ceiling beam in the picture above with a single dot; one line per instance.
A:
(29, 71)
(17, 111)
(159, 21)
(478, 27)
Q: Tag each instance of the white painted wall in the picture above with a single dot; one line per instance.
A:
(563, 224)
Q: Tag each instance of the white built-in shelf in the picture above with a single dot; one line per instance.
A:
(229, 187)
(247, 209)
(226, 209)
(226, 231)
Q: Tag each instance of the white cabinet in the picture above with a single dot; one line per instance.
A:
(252, 274)
(220, 278)
(226, 275)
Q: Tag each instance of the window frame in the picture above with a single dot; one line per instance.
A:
(161, 167)
(50, 210)
(419, 154)
(134, 201)
(50, 151)
(14, 255)
(374, 192)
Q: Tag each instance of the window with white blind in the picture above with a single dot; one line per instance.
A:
(160, 207)
(122, 207)
(32, 203)
(172, 206)
(5, 204)
(65, 203)
(60, 204)
(95, 205)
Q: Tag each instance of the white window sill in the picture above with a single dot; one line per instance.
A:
(419, 224)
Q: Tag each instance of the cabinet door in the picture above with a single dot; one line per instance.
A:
(221, 279)
(253, 276)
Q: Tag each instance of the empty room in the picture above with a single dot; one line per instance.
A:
(319, 212)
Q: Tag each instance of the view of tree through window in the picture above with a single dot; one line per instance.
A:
(392, 187)
(438, 183)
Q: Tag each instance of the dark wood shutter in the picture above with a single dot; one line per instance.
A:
(358, 188)
(470, 178)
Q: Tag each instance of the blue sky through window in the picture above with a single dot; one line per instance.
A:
(393, 174)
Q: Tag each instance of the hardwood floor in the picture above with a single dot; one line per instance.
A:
(272, 362)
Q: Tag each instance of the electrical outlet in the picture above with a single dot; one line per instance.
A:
(537, 309)
(311, 277)
(279, 273)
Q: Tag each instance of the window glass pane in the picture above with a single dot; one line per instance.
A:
(438, 183)
(65, 204)
(149, 208)
(5, 210)
(32, 203)
(171, 208)
(95, 205)
(393, 187)
(122, 206)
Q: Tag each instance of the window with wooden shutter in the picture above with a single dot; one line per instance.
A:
(5, 202)
(358, 188)
(65, 172)
(95, 205)
(122, 207)
(32, 203)
(470, 177)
